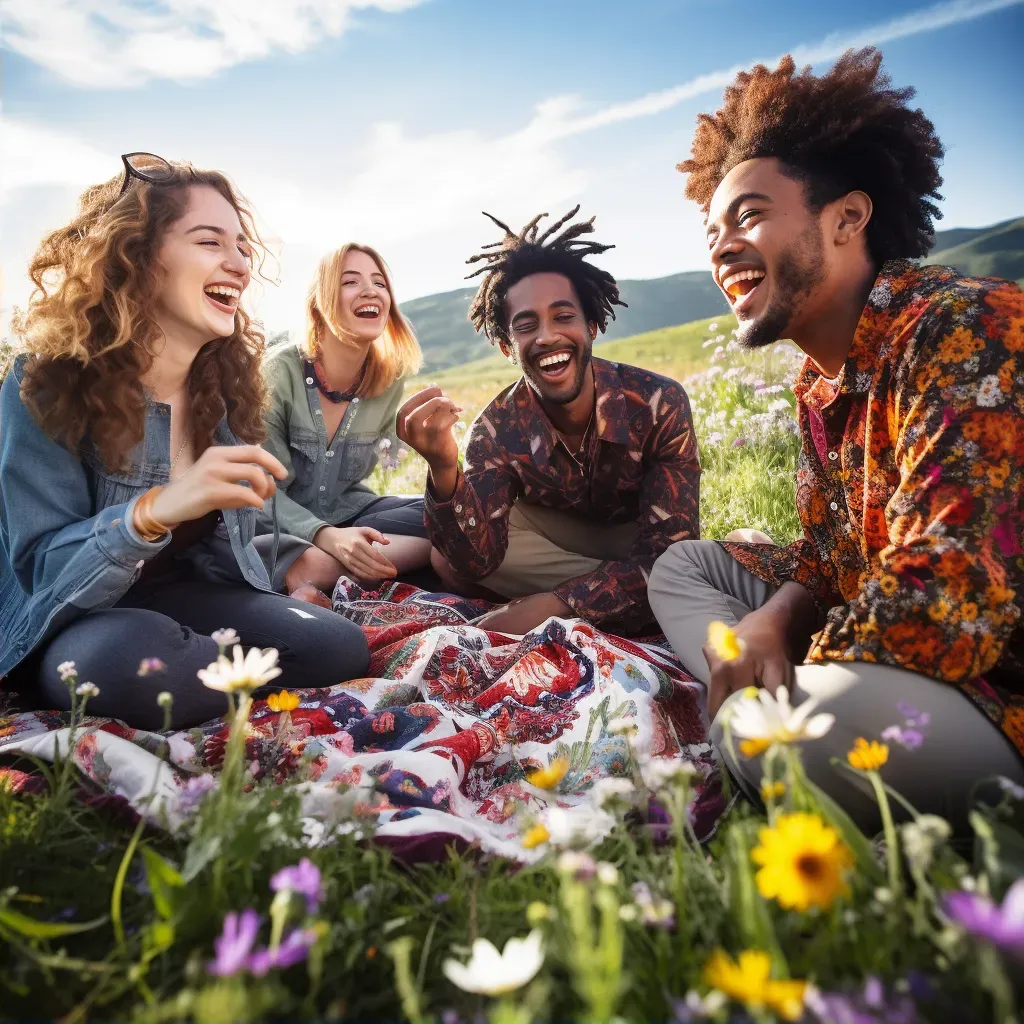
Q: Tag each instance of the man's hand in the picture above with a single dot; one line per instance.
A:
(425, 424)
(763, 660)
(524, 613)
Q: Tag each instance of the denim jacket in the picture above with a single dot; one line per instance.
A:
(325, 485)
(67, 543)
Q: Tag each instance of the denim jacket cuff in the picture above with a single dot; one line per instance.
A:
(118, 539)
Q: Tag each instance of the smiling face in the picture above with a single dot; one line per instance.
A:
(551, 337)
(204, 258)
(364, 302)
(767, 251)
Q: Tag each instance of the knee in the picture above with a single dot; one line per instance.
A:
(337, 651)
(674, 565)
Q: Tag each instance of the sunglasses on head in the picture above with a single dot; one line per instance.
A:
(146, 167)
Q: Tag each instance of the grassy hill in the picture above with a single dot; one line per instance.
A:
(996, 251)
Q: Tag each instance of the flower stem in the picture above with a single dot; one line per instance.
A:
(892, 850)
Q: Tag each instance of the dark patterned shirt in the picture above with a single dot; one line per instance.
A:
(910, 488)
(640, 464)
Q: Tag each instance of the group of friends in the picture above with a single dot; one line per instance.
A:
(162, 477)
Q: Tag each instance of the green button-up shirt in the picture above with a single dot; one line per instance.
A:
(324, 485)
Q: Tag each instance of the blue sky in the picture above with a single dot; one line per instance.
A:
(396, 121)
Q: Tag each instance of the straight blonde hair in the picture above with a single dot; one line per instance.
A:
(395, 354)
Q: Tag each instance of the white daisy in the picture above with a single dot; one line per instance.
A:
(491, 973)
(760, 720)
(245, 672)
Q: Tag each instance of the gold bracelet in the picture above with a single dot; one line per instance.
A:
(148, 528)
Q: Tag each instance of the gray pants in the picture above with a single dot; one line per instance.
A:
(696, 582)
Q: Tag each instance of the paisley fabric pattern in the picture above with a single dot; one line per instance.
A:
(446, 727)
(640, 464)
(910, 487)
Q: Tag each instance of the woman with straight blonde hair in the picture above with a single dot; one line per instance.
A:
(333, 400)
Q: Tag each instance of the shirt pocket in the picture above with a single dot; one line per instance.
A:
(358, 458)
(304, 453)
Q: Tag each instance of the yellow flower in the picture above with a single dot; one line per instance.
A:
(868, 757)
(534, 836)
(548, 778)
(723, 641)
(803, 862)
(747, 980)
(283, 701)
(775, 791)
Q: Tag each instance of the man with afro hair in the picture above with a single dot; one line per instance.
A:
(577, 476)
(899, 610)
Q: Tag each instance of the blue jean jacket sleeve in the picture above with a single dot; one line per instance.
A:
(47, 527)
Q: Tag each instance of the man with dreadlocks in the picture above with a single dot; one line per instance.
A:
(577, 476)
(910, 573)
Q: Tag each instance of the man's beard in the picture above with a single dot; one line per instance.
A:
(541, 386)
(797, 271)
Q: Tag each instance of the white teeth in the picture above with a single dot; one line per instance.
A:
(560, 357)
(375, 310)
(741, 275)
(223, 289)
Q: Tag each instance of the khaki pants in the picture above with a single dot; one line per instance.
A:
(546, 547)
(696, 582)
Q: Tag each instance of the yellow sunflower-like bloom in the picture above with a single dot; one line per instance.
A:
(723, 641)
(286, 700)
(803, 862)
(868, 757)
(535, 836)
(548, 778)
(747, 980)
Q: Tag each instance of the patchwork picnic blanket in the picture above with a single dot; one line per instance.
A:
(445, 728)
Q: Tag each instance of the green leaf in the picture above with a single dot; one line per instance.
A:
(163, 878)
(33, 929)
(199, 854)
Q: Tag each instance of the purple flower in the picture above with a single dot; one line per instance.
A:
(441, 897)
(303, 878)
(232, 946)
(911, 739)
(195, 791)
(1001, 925)
(912, 715)
(1011, 787)
(150, 665)
(292, 951)
(867, 1007)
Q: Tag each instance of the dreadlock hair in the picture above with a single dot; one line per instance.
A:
(843, 131)
(520, 255)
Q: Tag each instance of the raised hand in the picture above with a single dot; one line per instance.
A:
(218, 480)
(425, 424)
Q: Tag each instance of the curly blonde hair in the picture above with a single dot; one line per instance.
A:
(89, 332)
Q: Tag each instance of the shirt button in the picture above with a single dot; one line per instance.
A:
(458, 508)
(330, 455)
(355, 401)
(832, 505)
(309, 380)
(319, 413)
(472, 521)
(322, 488)
(833, 456)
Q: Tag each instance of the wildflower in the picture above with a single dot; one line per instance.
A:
(909, 739)
(286, 700)
(739, 442)
(441, 898)
(535, 835)
(150, 665)
(747, 980)
(1002, 925)
(629, 912)
(224, 638)
(548, 778)
(234, 943)
(716, 437)
(868, 757)
(292, 950)
(922, 837)
(578, 864)
(654, 910)
(869, 1006)
(712, 327)
(774, 791)
(622, 727)
(244, 672)
(164, 699)
(607, 874)
(613, 792)
(580, 827)
(195, 791)
(492, 973)
(537, 913)
(66, 670)
(761, 720)
(87, 690)
(802, 861)
(1010, 787)
(696, 1007)
(724, 642)
(660, 772)
(304, 879)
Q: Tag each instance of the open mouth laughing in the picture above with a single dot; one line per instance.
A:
(224, 297)
(368, 311)
(556, 367)
(741, 286)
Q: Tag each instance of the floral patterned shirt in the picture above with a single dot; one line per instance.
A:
(640, 464)
(910, 487)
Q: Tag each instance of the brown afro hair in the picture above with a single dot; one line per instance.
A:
(842, 131)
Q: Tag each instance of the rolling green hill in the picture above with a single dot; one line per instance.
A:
(996, 251)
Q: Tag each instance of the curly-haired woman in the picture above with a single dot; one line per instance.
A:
(332, 419)
(130, 465)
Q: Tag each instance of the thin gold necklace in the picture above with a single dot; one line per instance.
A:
(181, 452)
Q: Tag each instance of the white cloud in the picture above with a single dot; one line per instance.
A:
(125, 43)
(33, 155)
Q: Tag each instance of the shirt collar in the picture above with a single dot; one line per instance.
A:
(611, 423)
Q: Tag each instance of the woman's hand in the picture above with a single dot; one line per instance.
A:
(217, 481)
(353, 547)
